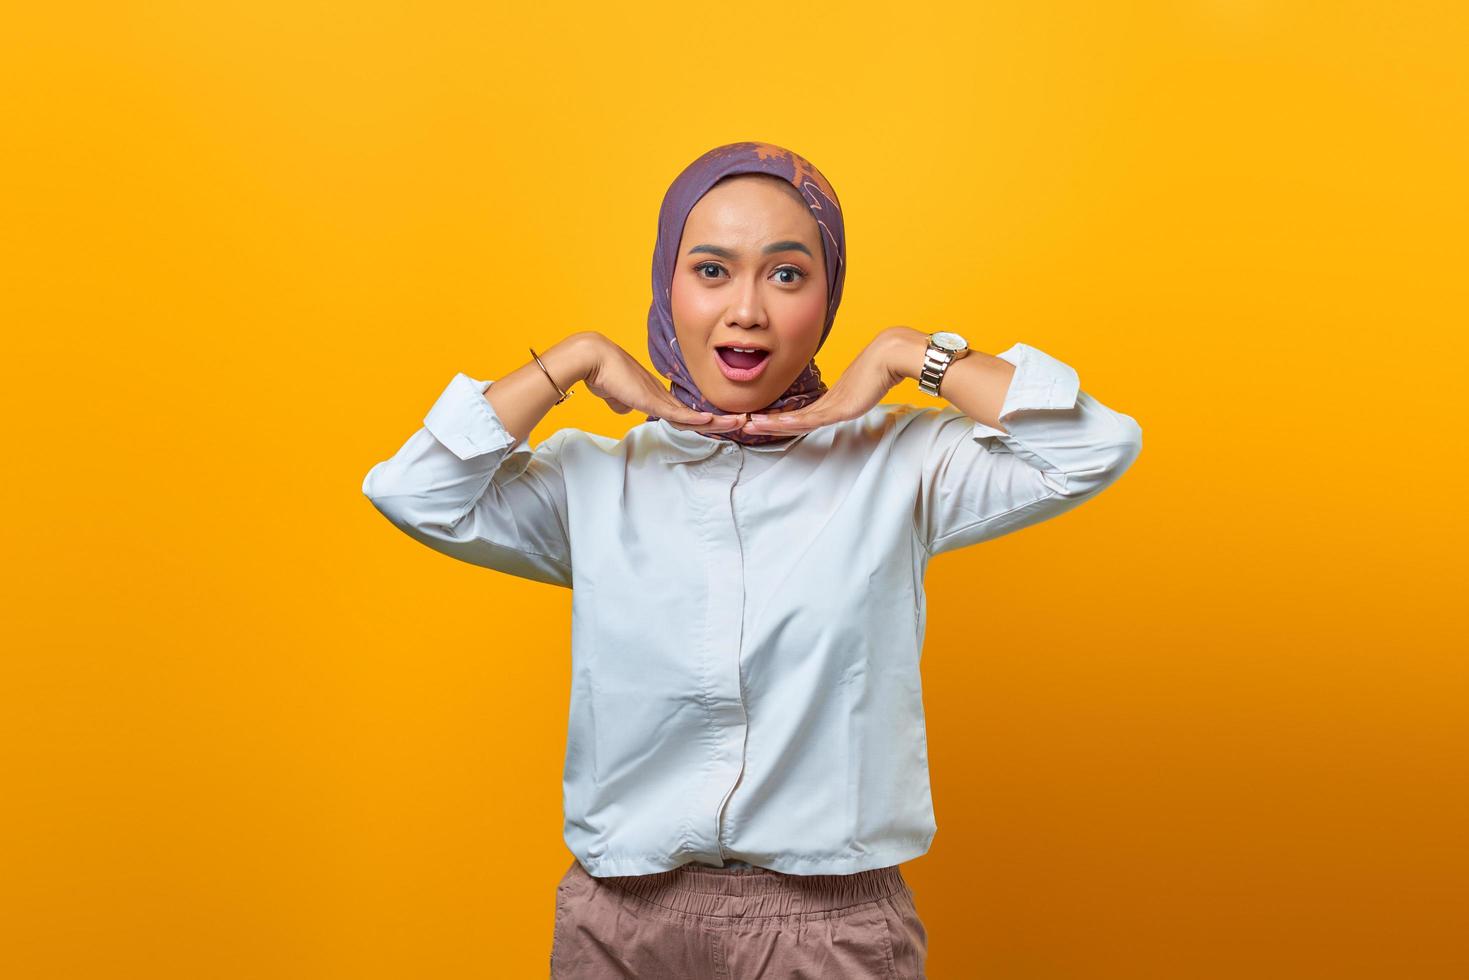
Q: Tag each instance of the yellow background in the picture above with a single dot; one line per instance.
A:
(1210, 725)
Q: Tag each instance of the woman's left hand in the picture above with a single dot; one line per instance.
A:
(882, 364)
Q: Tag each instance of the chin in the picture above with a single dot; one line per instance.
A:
(738, 406)
(734, 399)
(744, 400)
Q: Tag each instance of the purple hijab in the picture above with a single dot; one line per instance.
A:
(686, 190)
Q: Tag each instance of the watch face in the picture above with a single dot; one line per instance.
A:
(949, 341)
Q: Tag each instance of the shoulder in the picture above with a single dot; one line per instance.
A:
(880, 430)
(561, 449)
(572, 443)
(902, 432)
(897, 419)
(572, 446)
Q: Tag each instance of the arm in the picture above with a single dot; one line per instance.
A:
(468, 483)
(1022, 444)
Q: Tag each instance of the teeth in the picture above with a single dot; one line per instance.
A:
(746, 350)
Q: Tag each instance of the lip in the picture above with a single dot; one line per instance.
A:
(740, 374)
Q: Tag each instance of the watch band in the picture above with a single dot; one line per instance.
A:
(944, 348)
(936, 362)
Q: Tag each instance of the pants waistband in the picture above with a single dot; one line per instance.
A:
(755, 892)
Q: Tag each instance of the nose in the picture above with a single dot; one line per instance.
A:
(747, 308)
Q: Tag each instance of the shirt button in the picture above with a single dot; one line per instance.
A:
(726, 449)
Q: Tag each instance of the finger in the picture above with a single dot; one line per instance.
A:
(719, 423)
(801, 420)
(676, 411)
(780, 429)
(684, 416)
(733, 425)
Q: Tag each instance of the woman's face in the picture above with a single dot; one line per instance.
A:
(750, 273)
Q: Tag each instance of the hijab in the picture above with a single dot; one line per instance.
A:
(686, 190)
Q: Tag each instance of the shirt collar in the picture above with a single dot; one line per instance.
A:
(685, 445)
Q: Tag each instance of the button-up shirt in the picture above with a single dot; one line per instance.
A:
(747, 620)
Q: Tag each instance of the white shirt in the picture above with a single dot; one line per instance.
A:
(747, 620)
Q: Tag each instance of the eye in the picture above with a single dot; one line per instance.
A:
(698, 270)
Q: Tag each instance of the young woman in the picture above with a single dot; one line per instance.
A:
(746, 762)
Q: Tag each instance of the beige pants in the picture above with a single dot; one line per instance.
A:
(698, 922)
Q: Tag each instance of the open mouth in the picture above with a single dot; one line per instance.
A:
(741, 364)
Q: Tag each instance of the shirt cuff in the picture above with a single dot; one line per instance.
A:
(464, 421)
(1040, 381)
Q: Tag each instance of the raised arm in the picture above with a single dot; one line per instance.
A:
(469, 485)
(1021, 444)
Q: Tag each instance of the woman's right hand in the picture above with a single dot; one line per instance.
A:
(617, 378)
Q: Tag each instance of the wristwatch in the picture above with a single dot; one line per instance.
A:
(944, 348)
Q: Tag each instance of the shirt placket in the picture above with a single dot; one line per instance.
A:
(725, 565)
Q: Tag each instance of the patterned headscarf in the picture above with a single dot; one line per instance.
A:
(686, 190)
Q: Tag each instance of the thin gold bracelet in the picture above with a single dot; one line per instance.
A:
(564, 394)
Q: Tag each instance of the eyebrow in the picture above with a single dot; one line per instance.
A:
(725, 253)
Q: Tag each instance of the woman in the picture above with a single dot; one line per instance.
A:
(746, 763)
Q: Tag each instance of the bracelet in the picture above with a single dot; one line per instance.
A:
(564, 394)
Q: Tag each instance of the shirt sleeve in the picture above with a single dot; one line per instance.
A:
(462, 486)
(1063, 447)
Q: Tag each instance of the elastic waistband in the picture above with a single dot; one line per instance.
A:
(757, 892)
